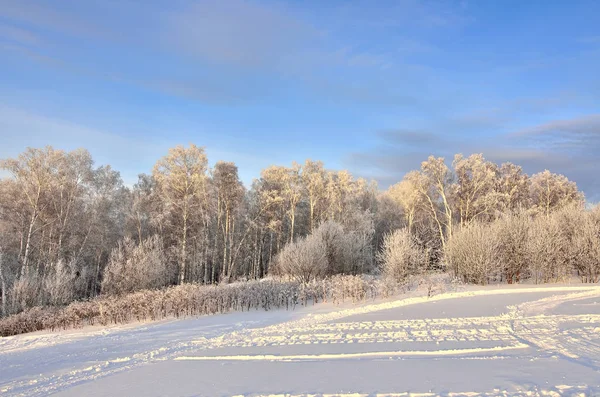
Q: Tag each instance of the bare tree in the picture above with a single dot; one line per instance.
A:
(475, 187)
(407, 194)
(550, 192)
(314, 180)
(181, 179)
(230, 193)
(3, 283)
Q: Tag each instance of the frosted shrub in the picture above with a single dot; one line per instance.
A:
(347, 252)
(547, 251)
(401, 256)
(60, 284)
(471, 254)
(303, 260)
(26, 292)
(134, 267)
(511, 234)
(586, 246)
(195, 300)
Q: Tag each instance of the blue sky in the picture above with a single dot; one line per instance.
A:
(369, 86)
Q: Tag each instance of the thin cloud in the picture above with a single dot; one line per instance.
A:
(47, 15)
(586, 125)
(18, 35)
(401, 137)
(237, 32)
(567, 147)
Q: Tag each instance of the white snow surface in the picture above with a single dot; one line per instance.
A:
(492, 341)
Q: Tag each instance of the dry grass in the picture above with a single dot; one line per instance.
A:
(195, 300)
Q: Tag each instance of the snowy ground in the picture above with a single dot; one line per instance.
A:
(509, 341)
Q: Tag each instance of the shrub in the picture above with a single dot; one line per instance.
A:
(303, 260)
(511, 234)
(548, 250)
(60, 284)
(26, 292)
(329, 250)
(134, 267)
(471, 254)
(194, 300)
(586, 246)
(401, 256)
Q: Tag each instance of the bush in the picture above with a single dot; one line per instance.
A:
(511, 234)
(303, 260)
(27, 291)
(471, 254)
(134, 267)
(329, 250)
(546, 248)
(401, 256)
(549, 250)
(61, 283)
(586, 246)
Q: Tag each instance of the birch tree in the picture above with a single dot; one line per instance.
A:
(314, 180)
(407, 195)
(31, 171)
(230, 193)
(475, 188)
(438, 179)
(181, 181)
(552, 191)
(513, 187)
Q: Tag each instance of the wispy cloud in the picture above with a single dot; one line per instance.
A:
(568, 146)
(238, 32)
(14, 34)
(49, 15)
(215, 47)
(581, 127)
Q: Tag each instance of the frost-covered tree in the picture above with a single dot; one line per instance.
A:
(475, 187)
(230, 193)
(550, 192)
(513, 187)
(407, 195)
(181, 181)
(314, 181)
(401, 256)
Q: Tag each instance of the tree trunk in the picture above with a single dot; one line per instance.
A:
(24, 269)
(293, 220)
(183, 247)
(2, 284)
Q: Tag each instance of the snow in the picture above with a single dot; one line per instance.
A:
(507, 341)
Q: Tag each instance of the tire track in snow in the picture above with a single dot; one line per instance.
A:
(470, 329)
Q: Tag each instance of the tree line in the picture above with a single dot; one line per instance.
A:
(70, 230)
